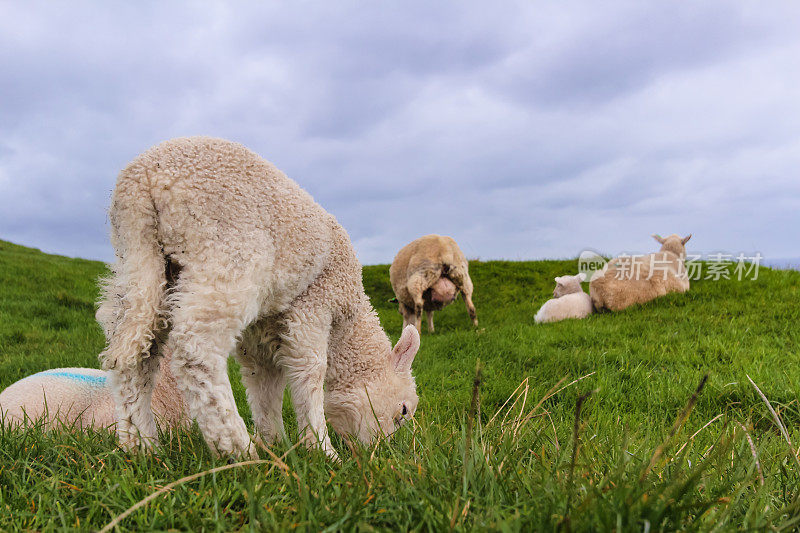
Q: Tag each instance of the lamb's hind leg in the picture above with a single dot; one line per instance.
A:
(132, 389)
(129, 315)
(265, 384)
(205, 327)
(429, 316)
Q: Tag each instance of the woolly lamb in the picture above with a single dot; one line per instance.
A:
(569, 301)
(216, 247)
(427, 275)
(630, 280)
(80, 397)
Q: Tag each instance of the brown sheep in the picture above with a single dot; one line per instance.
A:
(630, 280)
(426, 275)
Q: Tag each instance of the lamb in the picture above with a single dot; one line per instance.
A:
(81, 398)
(217, 251)
(630, 280)
(569, 301)
(426, 275)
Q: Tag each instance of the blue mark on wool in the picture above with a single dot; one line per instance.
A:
(94, 380)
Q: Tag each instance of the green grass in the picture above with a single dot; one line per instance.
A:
(643, 366)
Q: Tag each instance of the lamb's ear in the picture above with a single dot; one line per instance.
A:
(686, 239)
(582, 276)
(557, 279)
(658, 237)
(405, 350)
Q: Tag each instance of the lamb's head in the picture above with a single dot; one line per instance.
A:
(568, 284)
(380, 404)
(674, 243)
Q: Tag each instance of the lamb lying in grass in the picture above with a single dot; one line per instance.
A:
(569, 301)
(426, 275)
(630, 280)
(258, 264)
(81, 398)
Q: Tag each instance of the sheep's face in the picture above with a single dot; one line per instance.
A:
(568, 285)
(382, 406)
(674, 243)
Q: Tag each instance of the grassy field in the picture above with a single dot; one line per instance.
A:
(626, 462)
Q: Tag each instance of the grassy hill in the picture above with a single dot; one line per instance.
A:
(518, 470)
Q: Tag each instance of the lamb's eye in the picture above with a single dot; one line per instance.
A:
(405, 410)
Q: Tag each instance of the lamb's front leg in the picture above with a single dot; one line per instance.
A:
(303, 357)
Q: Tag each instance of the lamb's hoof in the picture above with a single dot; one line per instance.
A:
(134, 444)
(252, 453)
(332, 455)
(233, 456)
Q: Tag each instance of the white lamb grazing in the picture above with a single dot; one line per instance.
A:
(630, 280)
(253, 257)
(426, 275)
(569, 301)
(80, 398)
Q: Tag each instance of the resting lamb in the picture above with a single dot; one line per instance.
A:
(569, 301)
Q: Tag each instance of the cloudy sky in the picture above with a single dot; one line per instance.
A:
(524, 130)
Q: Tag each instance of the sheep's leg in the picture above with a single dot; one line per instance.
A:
(418, 283)
(408, 315)
(418, 307)
(265, 384)
(205, 327)
(429, 315)
(303, 358)
(470, 307)
(466, 293)
(461, 278)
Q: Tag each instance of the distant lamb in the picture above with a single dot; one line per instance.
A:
(258, 264)
(569, 301)
(631, 280)
(426, 275)
(81, 398)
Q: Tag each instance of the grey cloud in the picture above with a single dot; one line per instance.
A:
(525, 130)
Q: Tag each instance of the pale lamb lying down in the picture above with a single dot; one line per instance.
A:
(426, 275)
(569, 301)
(630, 280)
(81, 398)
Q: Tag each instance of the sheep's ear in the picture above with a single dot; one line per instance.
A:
(406, 349)
(557, 279)
(658, 237)
(582, 276)
(686, 239)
